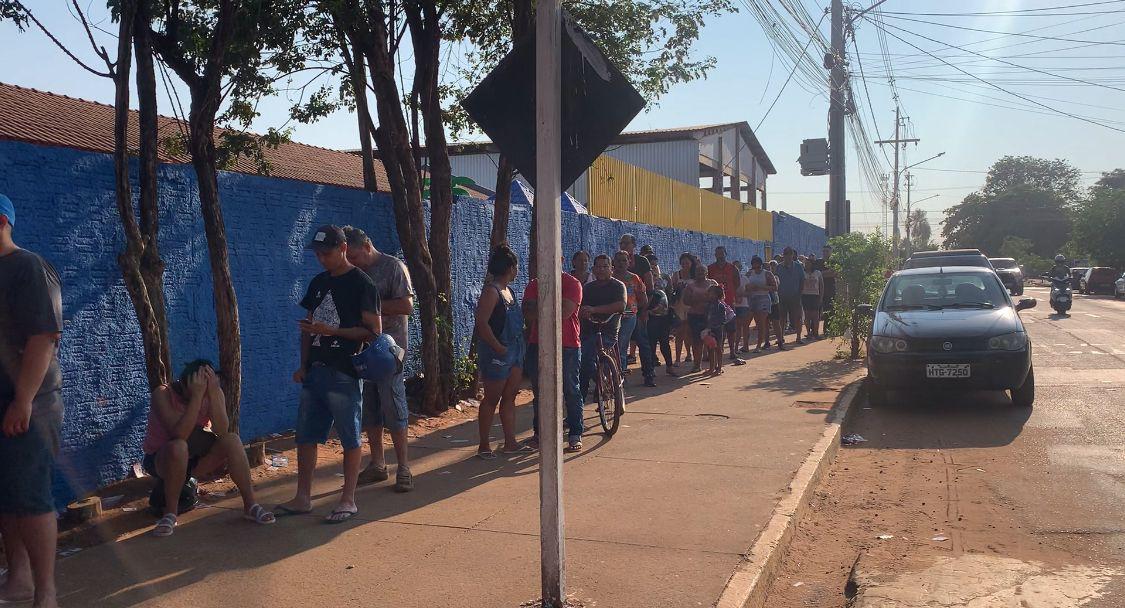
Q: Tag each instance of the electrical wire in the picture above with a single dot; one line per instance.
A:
(1014, 12)
(996, 86)
(796, 64)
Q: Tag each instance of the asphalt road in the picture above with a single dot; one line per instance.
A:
(955, 498)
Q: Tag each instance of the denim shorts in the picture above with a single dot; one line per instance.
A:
(760, 303)
(384, 403)
(496, 367)
(26, 460)
(329, 398)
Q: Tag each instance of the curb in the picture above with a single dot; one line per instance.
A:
(747, 586)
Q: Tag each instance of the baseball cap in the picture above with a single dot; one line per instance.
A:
(7, 209)
(327, 236)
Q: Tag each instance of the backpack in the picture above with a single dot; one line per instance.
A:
(189, 494)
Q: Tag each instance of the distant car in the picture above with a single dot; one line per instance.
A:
(1098, 279)
(948, 327)
(1076, 274)
(1010, 273)
(949, 257)
(1119, 287)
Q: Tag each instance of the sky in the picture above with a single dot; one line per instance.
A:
(955, 110)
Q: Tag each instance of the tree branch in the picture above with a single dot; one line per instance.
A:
(61, 46)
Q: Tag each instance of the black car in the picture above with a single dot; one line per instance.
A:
(948, 257)
(1010, 273)
(949, 327)
(1098, 279)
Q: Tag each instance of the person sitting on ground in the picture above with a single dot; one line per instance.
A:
(188, 435)
(716, 322)
(500, 350)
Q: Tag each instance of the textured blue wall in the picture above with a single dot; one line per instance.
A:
(797, 233)
(65, 201)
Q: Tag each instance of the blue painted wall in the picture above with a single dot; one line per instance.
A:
(797, 233)
(65, 202)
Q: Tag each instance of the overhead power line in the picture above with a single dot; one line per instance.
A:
(796, 64)
(1037, 37)
(1016, 12)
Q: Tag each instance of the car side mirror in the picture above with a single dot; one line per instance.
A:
(1026, 303)
(865, 310)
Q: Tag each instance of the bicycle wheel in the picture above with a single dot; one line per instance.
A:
(611, 397)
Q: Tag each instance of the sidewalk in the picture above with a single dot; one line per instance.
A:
(658, 516)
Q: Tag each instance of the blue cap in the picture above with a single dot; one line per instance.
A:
(8, 210)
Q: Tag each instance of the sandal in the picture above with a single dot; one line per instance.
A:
(284, 511)
(165, 526)
(339, 516)
(373, 474)
(259, 515)
(489, 455)
(738, 362)
(525, 448)
(575, 446)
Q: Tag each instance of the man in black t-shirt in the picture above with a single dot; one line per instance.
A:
(31, 412)
(343, 313)
(602, 298)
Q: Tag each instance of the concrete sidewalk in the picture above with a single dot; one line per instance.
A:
(660, 515)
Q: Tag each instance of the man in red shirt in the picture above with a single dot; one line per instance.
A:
(571, 355)
(725, 274)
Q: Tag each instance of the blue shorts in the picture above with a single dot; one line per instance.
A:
(760, 303)
(384, 403)
(329, 397)
(495, 367)
(27, 460)
(742, 311)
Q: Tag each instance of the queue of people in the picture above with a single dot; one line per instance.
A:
(364, 297)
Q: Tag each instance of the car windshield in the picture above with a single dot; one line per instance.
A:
(1004, 264)
(944, 290)
(947, 260)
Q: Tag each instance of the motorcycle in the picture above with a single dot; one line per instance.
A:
(1061, 296)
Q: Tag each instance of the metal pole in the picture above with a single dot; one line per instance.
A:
(837, 183)
(548, 145)
(909, 246)
(894, 195)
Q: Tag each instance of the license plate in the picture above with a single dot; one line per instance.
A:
(947, 370)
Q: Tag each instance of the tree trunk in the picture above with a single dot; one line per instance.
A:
(357, 72)
(425, 33)
(391, 136)
(130, 260)
(152, 265)
(205, 162)
(502, 207)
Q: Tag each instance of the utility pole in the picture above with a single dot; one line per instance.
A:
(548, 163)
(837, 186)
(894, 194)
(909, 183)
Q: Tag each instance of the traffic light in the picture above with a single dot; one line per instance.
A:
(814, 157)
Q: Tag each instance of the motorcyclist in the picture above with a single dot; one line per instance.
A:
(1060, 270)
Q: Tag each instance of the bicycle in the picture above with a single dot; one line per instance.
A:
(608, 385)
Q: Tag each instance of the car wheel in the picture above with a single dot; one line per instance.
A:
(876, 395)
(1024, 396)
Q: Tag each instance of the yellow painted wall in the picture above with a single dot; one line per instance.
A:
(685, 206)
(618, 190)
(653, 198)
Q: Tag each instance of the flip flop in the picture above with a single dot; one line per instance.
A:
(259, 515)
(340, 515)
(284, 511)
(522, 449)
(489, 455)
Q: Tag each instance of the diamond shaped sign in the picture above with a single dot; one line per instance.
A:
(598, 102)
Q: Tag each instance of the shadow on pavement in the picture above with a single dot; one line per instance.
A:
(939, 420)
(821, 375)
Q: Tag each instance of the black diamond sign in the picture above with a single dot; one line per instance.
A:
(597, 103)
